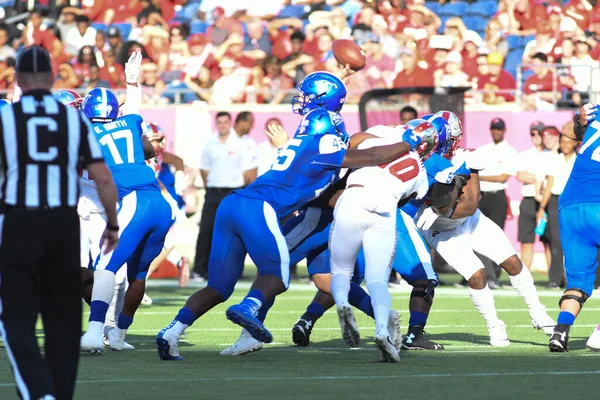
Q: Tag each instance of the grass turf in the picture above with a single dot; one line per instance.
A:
(468, 369)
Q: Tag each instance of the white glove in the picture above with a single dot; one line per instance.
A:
(427, 218)
(180, 184)
(132, 67)
(590, 111)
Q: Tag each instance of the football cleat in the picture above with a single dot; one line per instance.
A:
(541, 320)
(244, 345)
(394, 329)
(593, 343)
(348, 325)
(91, 343)
(419, 342)
(498, 335)
(105, 339)
(146, 301)
(166, 342)
(301, 332)
(244, 317)
(389, 353)
(559, 341)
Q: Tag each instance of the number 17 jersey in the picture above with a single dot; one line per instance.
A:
(123, 150)
(583, 185)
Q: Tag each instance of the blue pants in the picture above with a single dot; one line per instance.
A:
(246, 226)
(307, 236)
(144, 218)
(580, 237)
(413, 260)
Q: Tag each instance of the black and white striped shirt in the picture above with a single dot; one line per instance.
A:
(42, 145)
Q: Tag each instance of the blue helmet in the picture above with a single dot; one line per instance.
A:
(4, 103)
(68, 97)
(322, 122)
(319, 90)
(100, 105)
(427, 117)
(442, 127)
(427, 132)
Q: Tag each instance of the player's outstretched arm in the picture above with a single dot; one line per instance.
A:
(374, 156)
(134, 91)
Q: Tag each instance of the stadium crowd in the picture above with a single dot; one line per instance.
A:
(256, 52)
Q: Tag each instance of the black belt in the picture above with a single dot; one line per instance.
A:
(221, 190)
(492, 192)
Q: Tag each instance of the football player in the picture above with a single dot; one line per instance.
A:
(579, 216)
(144, 215)
(306, 166)
(458, 232)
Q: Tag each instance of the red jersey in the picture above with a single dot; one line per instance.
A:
(535, 84)
(503, 81)
(537, 13)
(419, 77)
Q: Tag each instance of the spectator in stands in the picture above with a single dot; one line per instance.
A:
(452, 75)
(380, 67)
(152, 85)
(550, 139)
(562, 54)
(156, 42)
(535, 166)
(555, 15)
(362, 29)
(439, 47)
(281, 32)
(412, 75)
(100, 42)
(111, 71)
(275, 85)
(128, 48)
(82, 35)
(543, 85)
(543, 42)
(470, 53)
(339, 24)
(233, 49)
(66, 21)
(293, 64)
(524, 15)
(229, 88)
(494, 38)
(66, 78)
(408, 113)
(568, 28)
(389, 43)
(222, 28)
(33, 34)
(580, 11)
(496, 79)
(201, 84)
(6, 51)
(179, 53)
(85, 59)
(585, 71)
(267, 151)
(7, 76)
(257, 45)
(95, 81)
(102, 10)
(114, 39)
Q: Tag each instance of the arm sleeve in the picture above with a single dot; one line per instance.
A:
(133, 100)
(89, 148)
(330, 153)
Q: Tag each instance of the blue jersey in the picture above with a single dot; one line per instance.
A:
(121, 142)
(438, 170)
(304, 168)
(583, 185)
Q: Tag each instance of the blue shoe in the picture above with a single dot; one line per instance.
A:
(243, 316)
(166, 342)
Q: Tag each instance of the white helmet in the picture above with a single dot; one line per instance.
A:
(456, 130)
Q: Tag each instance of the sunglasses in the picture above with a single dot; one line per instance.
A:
(533, 134)
(481, 64)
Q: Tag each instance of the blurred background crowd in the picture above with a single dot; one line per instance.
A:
(536, 54)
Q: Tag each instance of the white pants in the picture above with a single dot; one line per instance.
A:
(478, 234)
(355, 227)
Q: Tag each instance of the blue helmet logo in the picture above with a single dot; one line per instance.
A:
(68, 97)
(4, 103)
(443, 129)
(319, 90)
(100, 105)
(322, 122)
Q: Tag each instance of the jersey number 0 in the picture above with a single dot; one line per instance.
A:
(404, 168)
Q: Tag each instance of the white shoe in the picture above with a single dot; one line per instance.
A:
(498, 336)
(541, 320)
(244, 345)
(389, 352)
(107, 329)
(146, 301)
(348, 325)
(394, 329)
(593, 343)
(167, 344)
(91, 343)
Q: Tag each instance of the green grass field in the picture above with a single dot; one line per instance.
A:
(468, 369)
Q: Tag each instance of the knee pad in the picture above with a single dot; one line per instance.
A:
(427, 292)
(580, 299)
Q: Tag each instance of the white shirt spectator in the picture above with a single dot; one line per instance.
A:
(585, 71)
(562, 171)
(500, 159)
(226, 162)
(538, 163)
(267, 154)
(74, 41)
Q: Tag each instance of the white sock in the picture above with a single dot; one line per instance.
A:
(340, 287)
(95, 328)
(524, 285)
(178, 328)
(483, 300)
(381, 301)
(104, 286)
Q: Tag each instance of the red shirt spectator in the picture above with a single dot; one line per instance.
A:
(496, 79)
(223, 28)
(578, 10)
(412, 75)
(528, 14)
(543, 80)
(112, 72)
(281, 39)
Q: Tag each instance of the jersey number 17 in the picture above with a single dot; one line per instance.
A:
(124, 137)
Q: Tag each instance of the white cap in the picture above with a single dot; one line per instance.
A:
(454, 56)
(567, 24)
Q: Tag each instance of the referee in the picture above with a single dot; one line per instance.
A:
(42, 144)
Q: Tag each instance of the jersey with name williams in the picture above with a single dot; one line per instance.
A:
(583, 185)
(305, 167)
(121, 142)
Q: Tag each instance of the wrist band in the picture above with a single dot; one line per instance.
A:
(114, 228)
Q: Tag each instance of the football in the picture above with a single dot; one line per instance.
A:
(347, 52)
